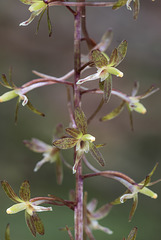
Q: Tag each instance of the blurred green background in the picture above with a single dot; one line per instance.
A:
(133, 153)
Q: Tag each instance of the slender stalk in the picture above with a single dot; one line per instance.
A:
(78, 211)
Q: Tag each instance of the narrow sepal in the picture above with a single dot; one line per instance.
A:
(134, 206)
(107, 88)
(65, 143)
(7, 232)
(99, 58)
(5, 82)
(38, 24)
(147, 180)
(49, 23)
(24, 191)
(96, 154)
(38, 224)
(33, 109)
(10, 192)
(114, 113)
(121, 52)
(16, 111)
(76, 133)
(113, 57)
(80, 120)
(132, 234)
(30, 223)
(136, 9)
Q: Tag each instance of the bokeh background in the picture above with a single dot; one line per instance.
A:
(133, 153)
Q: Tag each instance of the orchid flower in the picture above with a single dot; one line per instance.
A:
(134, 189)
(30, 206)
(106, 67)
(36, 7)
(133, 104)
(20, 93)
(80, 139)
(136, 6)
(50, 153)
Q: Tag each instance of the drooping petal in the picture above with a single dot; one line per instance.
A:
(96, 154)
(34, 110)
(114, 113)
(134, 206)
(7, 233)
(136, 9)
(38, 224)
(107, 88)
(30, 223)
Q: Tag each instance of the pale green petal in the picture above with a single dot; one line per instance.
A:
(140, 108)
(148, 192)
(8, 96)
(40, 5)
(18, 207)
(115, 71)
